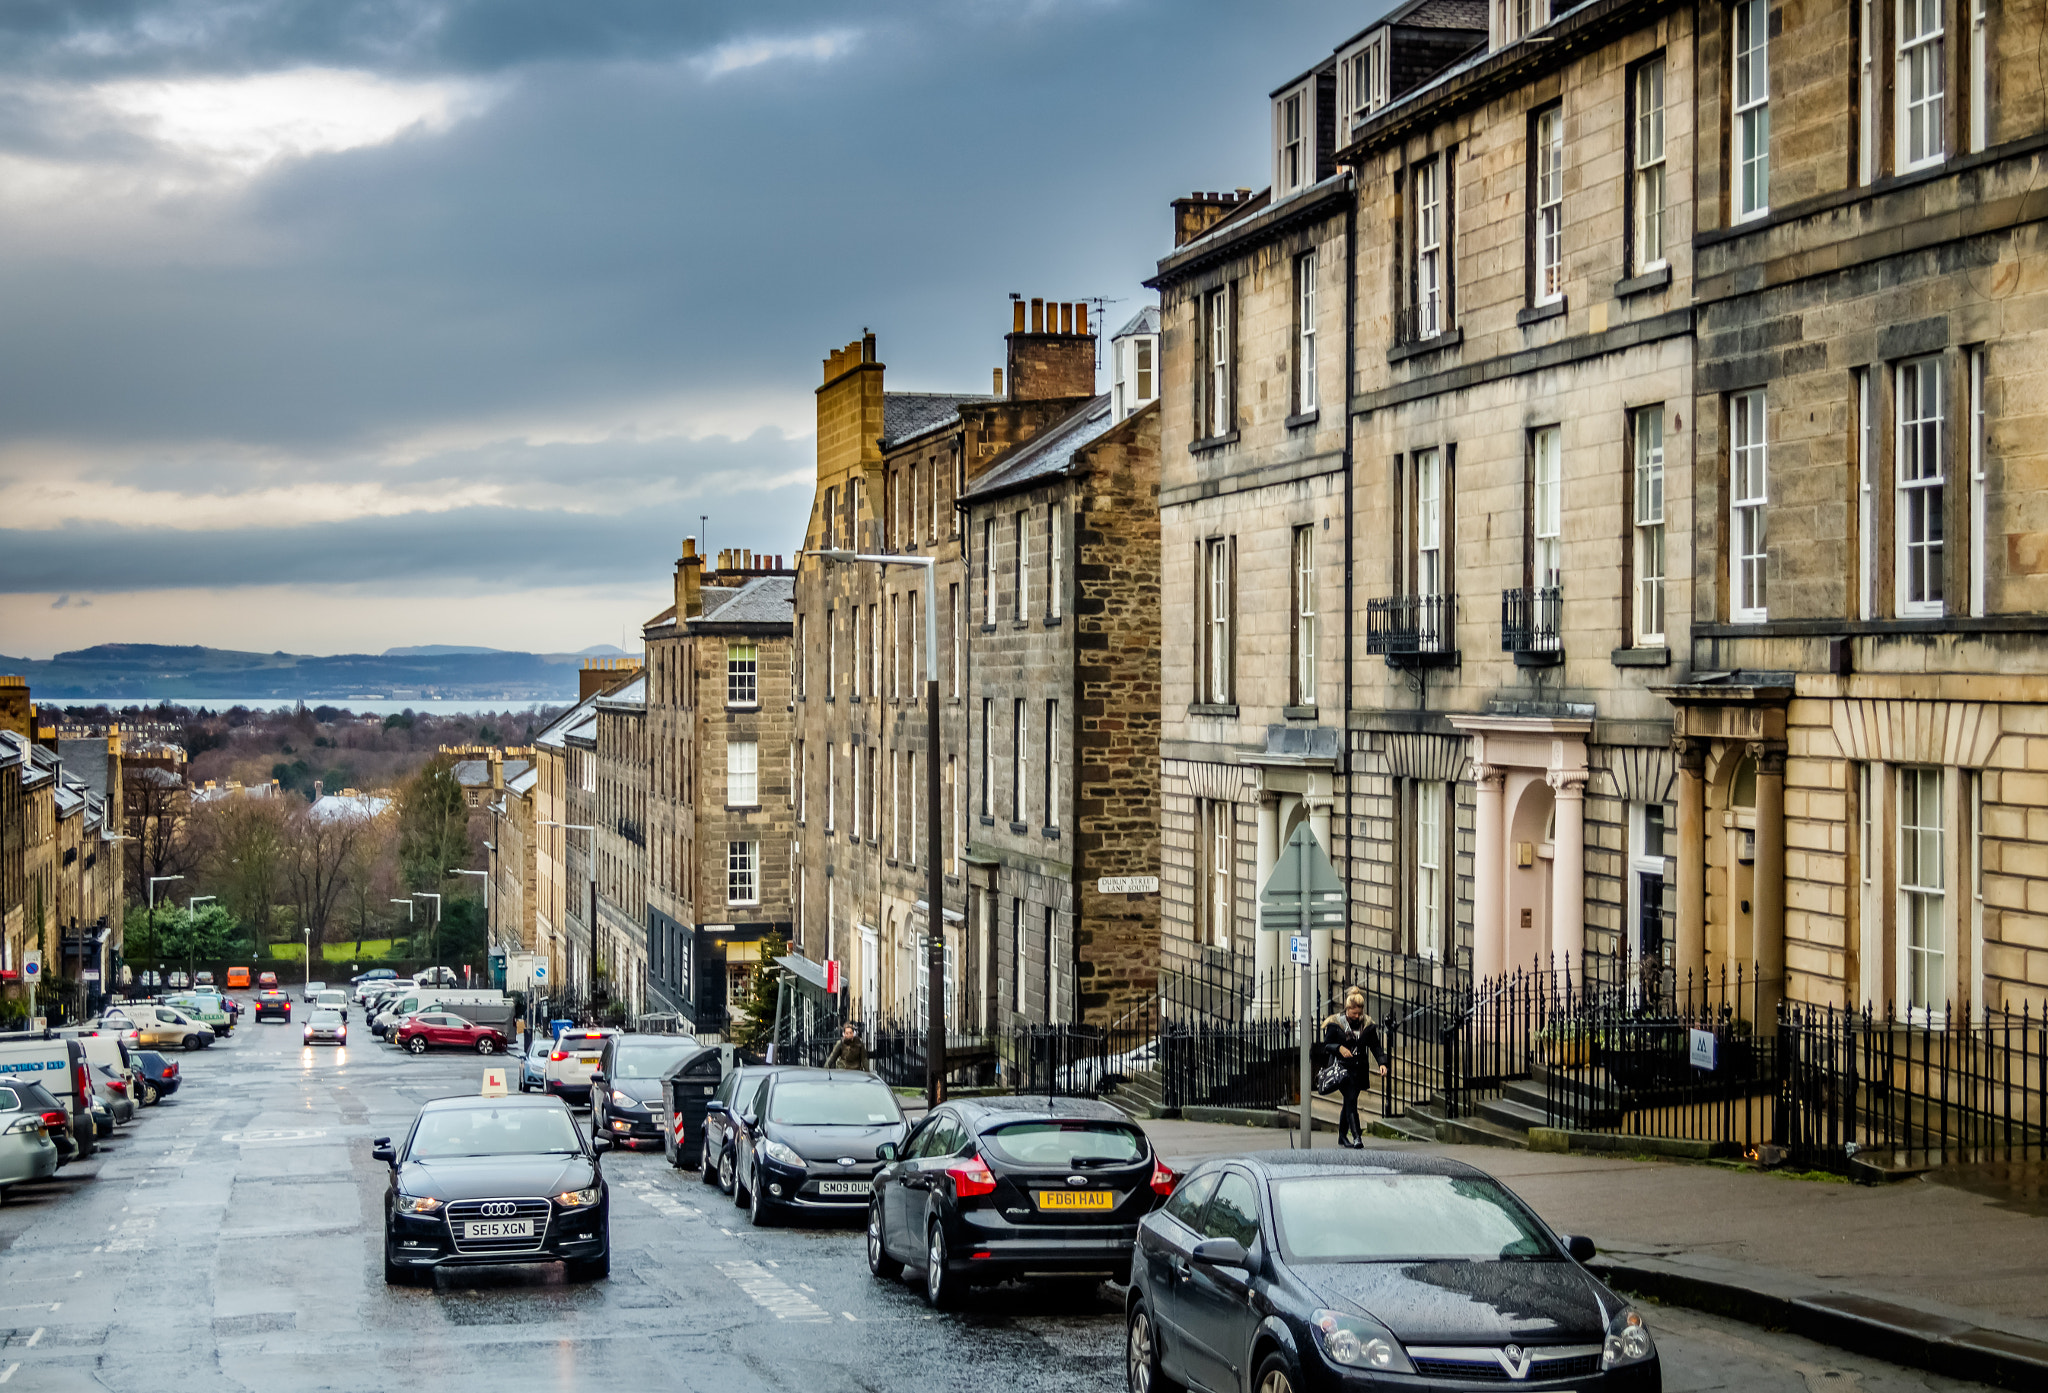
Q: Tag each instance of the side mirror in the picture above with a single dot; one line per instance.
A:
(1581, 1248)
(886, 1151)
(596, 1079)
(1221, 1252)
(600, 1142)
(713, 1106)
(380, 1150)
(751, 1120)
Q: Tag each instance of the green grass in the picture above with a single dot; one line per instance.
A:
(344, 952)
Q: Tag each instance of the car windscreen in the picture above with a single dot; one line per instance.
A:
(1068, 1142)
(325, 1018)
(494, 1132)
(650, 1061)
(802, 1104)
(1394, 1218)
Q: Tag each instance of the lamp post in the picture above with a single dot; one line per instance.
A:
(935, 876)
(434, 929)
(155, 881)
(590, 865)
(490, 935)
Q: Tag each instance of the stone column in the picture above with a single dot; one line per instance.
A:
(1489, 874)
(1768, 893)
(1266, 946)
(1689, 958)
(1568, 870)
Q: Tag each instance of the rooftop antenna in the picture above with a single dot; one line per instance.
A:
(1102, 304)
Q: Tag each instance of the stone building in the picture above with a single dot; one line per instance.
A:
(618, 811)
(891, 467)
(553, 889)
(721, 795)
(1063, 695)
(1863, 779)
(514, 866)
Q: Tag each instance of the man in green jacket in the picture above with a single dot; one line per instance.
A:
(850, 1053)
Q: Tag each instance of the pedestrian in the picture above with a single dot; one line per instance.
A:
(1351, 1036)
(851, 1052)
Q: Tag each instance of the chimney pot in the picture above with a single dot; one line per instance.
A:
(1066, 318)
(867, 346)
(1081, 317)
(1017, 316)
(998, 388)
(1037, 315)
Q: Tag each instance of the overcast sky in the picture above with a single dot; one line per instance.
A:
(342, 324)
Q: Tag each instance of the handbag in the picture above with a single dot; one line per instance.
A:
(1331, 1076)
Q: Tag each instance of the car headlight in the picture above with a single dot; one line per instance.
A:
(1359, 1342)
(782, 1155)
(577, 1199)
(418, 1204)
(1628, 1341)
(620, 1100)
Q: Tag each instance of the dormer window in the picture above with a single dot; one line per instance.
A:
(1362, 81)
(1293, 156)
(1514, 20)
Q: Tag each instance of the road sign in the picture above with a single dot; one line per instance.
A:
(832, 977)
(1127, 885)
(31, 965)
(1297, 948)
(1303, 892)
(540, 973)
(494, 1082)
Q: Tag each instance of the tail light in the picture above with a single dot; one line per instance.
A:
(84, 1087)
(971, 1176)
(54, 1121)
(1163, 1180)
(557, 1055)
(118, 1087)
(170, 1071)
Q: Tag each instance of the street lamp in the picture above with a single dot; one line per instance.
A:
(589, 864)
(485, 877)
(935, 876)
(155, 881)
(434, 930)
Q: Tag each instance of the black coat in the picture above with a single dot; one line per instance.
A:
(1362, 1041)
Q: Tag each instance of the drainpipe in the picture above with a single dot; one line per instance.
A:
(1350, 506)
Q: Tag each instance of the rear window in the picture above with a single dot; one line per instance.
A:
(10, 1101)
(1067, 1143)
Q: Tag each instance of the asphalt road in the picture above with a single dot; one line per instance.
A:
(230, 1239)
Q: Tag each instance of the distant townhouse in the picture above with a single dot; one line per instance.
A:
(618, 811)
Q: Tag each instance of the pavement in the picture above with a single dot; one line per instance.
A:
(230, 1239)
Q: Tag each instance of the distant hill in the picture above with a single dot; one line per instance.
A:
(431, 672)
(602, 650)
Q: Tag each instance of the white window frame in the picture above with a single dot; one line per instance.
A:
(988, 570)
(988, 757)
(1217, 307)
(1022, 576)
(1217, 619)
(1018, 957)
(1650, 534)
(895, 805)
(1019, 761)
(853, 787)
(1650, 191)
(875, 650)
(1979, 482)
(1429, 869)
(1052, 764)
(1517, 19)
(742, 773)
(860, 652)
(1293, 140)
(1055, 560)
(1546, 569)
(1430, 574)
(959, 812)
(895, 648)
(1305, 332)
(1980, 77)
(1146, 353)
(1920, 539)
(743, 873)
(831, 788)
(1429, 248)
(743, 674)
(1920, 94)
(1550, 206)
(1214, 851)
(1866, 497)
(1304, 587)
(1748, 506)
(1750, 139)
(802, 769)
(1866, 93)
(1925, 941)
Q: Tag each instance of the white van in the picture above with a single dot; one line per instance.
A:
(58, 1064)
(479, 1008)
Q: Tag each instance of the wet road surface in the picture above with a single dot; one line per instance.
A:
(231, 1239)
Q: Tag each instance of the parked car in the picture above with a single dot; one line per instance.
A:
(27, 1151)
(626, 1102)
(159, 1076)
(725, 1121)
(573, 1060)
(273, 1003)
(158, 1026)
(205, 1009)
(313, 990)
(335, 1001)
(814, 1142)
(494, 1180)
(266, 979)
(988, 1189)
(33, 1097)
(202, 979)
(1403, 1265)
(533, 1062)
(436, 977)
(325, 1027)
(440, 1030)
(238, 979)
(363, 982)
(112, 1091)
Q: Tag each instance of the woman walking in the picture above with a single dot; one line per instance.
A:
(1351, 1036)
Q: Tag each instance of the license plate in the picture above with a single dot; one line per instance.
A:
(498, 1228)
(846, 1187)
(589, 1059)
(1076, 1199)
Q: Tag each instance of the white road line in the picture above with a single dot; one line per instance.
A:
(808, 1287)
(34, 1339)
(772, 1293)
(10, 1372)
(849, 1316)
(33, 1306)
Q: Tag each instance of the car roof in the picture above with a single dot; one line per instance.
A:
(804, 1071)
(478, 1100)
(1288, 1165)
(1026, 1108)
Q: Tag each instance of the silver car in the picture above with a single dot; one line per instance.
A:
(326, 1027)
(26, 1151)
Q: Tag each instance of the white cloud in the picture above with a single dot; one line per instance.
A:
(736, 55)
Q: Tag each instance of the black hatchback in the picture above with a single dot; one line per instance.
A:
(1336, 1272)
(991, 1189)
(814, 1142)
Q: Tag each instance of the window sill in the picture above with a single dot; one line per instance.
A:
(743, 807)
(1303, 418)
(1214, 442)
(1642, 657)
(1024, 623)
(1019, 829)
(1049, 833)
(890, 862)
(987, 821)
(1536, 314)
(1436, 343)
(988, 628)
(743, 706)
(1053, 621)
(1658, 279)
(1205, 708)
(1299, 713)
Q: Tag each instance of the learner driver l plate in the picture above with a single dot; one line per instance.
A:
(846, 1187)
(1076, 1199)
(498, 1228)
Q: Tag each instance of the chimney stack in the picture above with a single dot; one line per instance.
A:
(1055, 358)
(998, 389)
(497, 763)
(689, 576)
(15, 711)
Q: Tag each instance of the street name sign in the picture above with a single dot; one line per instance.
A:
(1127, 885)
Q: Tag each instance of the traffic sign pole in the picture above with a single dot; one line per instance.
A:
(1302, 895)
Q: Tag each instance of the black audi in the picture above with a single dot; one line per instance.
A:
(1337, 1272)
(626, 1102)
(813, 1142)
(989, 1189)
(482, 1181)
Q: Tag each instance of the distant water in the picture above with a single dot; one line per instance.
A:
(361, 706)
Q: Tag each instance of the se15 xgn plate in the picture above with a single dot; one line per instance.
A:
(498, 1228)
(1076, 1199)
(845, 1187)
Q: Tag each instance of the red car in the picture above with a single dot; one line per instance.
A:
(439, 1030)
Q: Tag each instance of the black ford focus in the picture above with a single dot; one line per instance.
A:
(1333, 1272)
(488, 1180)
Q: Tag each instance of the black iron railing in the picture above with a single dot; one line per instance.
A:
(1531, 624)
(1413, 630)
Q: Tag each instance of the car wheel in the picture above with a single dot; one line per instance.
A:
(150, 1096)
(941, 1285)
(589, 1269)
(760, 1209)
(487, 1046)
(1141, 1354)
(726, 1176)
(418, 1044)
(884, 1267)
(1277, 1375)
(191, 1043)
(707, 1169)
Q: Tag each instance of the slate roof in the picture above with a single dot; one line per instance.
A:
(476, 773)
(523, 785)
(552, 737)
(763, 600)
(338, 807)
(584, 732)
(631, 697)
(1145, 321)
(1050, 454)
(909, 414)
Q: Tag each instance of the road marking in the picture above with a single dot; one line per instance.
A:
(33, 1306)
(808, 1287)
(772, 1293)
(34, 1339)
(10, 1372)
(849, 1316)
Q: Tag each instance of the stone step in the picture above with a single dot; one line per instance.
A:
(1474, 1131)
(1515, 1114)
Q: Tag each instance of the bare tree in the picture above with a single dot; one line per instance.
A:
(155, 802)
(372, 873)
(319, 848)
(240, 850)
